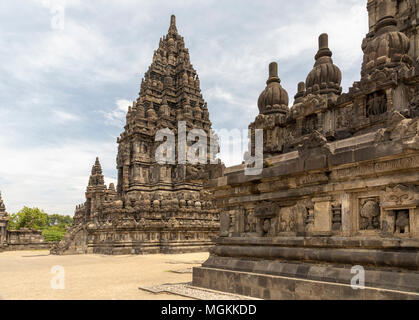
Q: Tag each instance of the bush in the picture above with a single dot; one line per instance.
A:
(53, 234)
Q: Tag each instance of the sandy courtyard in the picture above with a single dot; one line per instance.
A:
(27, 275)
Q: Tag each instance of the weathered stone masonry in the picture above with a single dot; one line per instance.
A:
(154, 208)
(340, 183)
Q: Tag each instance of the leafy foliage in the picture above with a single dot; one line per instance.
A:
(53, 234)
(31, 218)
(53, 226)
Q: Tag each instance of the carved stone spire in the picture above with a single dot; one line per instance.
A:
(170, 92)
(301, 89)
(325, 77)
(274, 98)
(96, 178)
(173, 29)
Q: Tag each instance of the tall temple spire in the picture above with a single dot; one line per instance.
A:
(149, 193)
(170, 92)
(173, 29)
(97, 168)
(96, 178)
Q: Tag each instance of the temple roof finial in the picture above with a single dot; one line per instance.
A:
(173, 28)
(274, 99)
(324, 50)
(273, 73)
(97, 168)
(325, 77)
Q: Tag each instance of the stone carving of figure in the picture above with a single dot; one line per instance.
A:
(402, 222)
(267, 226)
(376, 104)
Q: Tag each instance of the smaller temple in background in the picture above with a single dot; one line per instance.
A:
(4, 220)
(23, 239)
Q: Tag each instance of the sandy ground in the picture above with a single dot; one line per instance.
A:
(27, 275)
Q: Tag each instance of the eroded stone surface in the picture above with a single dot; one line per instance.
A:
(154, 207)
(340, 182)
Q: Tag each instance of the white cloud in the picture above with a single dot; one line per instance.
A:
(63, 117)
(117, 116)
(53, 178)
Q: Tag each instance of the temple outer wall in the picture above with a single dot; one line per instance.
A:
(25, 239)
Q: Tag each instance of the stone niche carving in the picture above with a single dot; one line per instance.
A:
(376, 104)
(369, 212)
(399, 204)
(266, 213)
(402, 222)
(310, 124)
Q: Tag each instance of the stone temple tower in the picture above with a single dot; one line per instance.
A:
(157, 206)
(170, 94)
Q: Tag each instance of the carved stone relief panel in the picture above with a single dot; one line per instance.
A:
(343, 117)
(294, 219)
(376, 104)
(369, 214)
(266, 215)
(401, 195)
(310, 124)
(249, 223)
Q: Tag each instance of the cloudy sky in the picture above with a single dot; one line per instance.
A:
(69, 70)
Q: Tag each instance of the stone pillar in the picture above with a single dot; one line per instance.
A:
(125, 179)
(346, 214)
(414, 222)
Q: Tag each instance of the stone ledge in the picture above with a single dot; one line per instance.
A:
(384, 279)
(285, 288)
(364, 257)
(324, 242)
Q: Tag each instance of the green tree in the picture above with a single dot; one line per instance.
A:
(53, 226)
(59, 220)
(31, 218)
